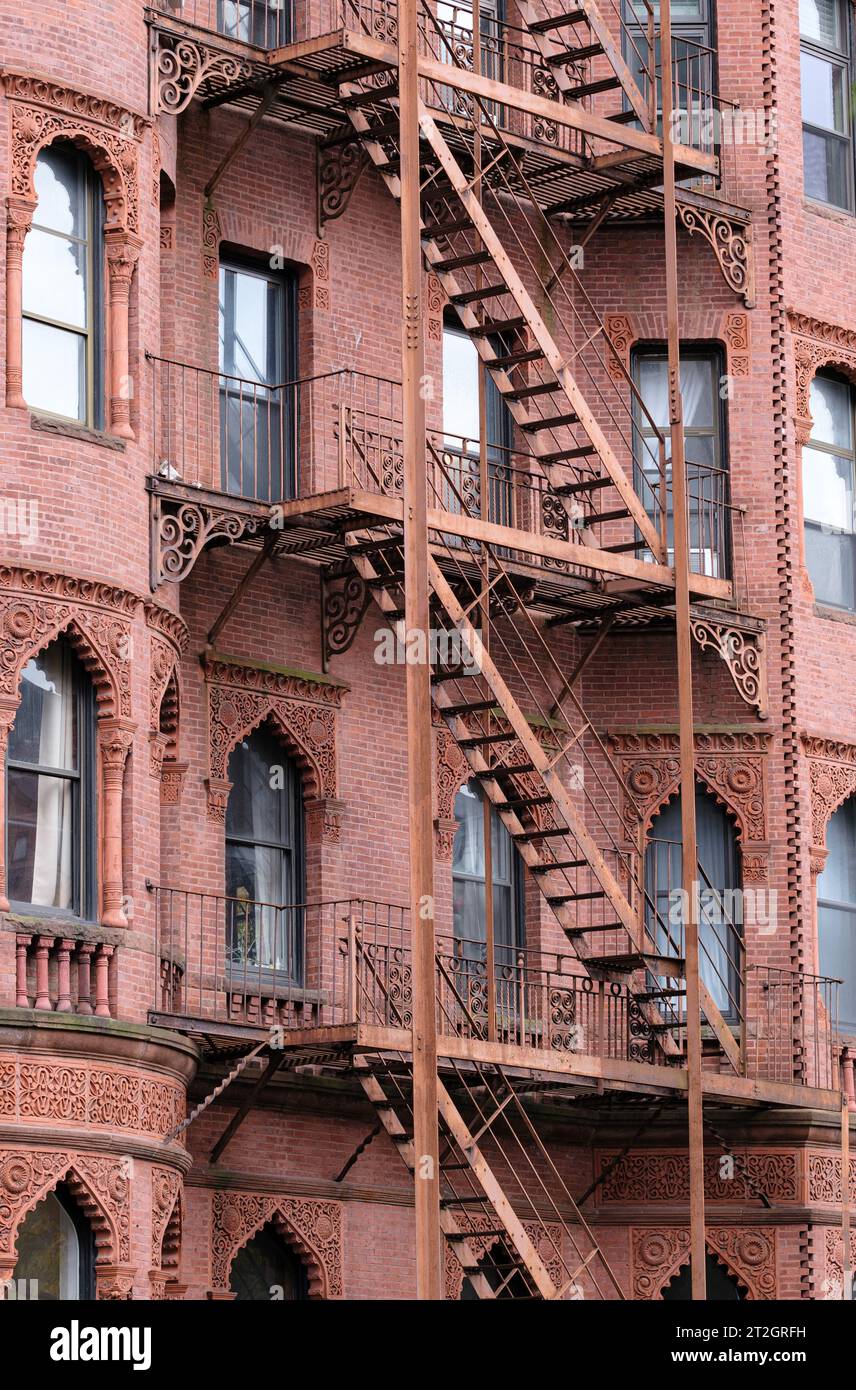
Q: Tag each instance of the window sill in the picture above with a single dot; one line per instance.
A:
(72, 429)
(834, 615)
(831, 213)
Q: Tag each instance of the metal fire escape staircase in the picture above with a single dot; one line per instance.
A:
(515, 1230)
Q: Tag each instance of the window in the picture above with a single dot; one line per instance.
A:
(826, 97)
(265, 1269)
(50, 787)
(836, 911)
(722, 1287)
(62, 289)
(468, 881)
(828, 468)
(267, 23)
(258, 355)
(455, 47)
(56, 1250)
(708, 490)
(719, 927)
(461, 432)
(693, 58)
(264, 858)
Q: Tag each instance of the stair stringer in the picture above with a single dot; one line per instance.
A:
(548, 48)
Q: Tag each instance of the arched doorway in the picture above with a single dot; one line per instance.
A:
(266, 1270)
(56, 1251)
(722, 1286)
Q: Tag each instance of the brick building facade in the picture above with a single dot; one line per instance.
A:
(206, 754)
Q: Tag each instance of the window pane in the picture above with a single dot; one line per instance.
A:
(831, 412)
(60, 180)
(820, 20)
(41, 832)
(829, 558)
(259, 879)
(49, 1252)
(681, 10)
(45, 728)
(54, 370)
(837, 882)
(251, 325)
(460, 388)
(468, 848)
(54, 278)
(697, 392)
(837, 957)
(825, 165)
(828, 489)
(824, 93)
(260, 772)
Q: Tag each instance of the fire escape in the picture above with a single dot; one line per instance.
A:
(507, 148)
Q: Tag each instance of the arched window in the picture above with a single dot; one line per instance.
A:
(836, 910)
(62, 289)
(468, 880)
(264, 857)
(50, 796)
(56, 1251)
(829, 493)
(265, 1270)
(719, 896)
(722, 1287)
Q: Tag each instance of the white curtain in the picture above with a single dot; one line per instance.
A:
(52, 856)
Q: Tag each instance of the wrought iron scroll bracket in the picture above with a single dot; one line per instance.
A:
(744, 653)
(731, 243)
(341, 163)
(344, 600)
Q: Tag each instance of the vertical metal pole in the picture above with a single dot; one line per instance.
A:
(847, 1262)
(429, 1283)
(685, 682)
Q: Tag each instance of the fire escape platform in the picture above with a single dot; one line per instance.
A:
(572, 1073)
(305, 85)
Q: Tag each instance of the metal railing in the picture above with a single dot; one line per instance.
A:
(793, 1031)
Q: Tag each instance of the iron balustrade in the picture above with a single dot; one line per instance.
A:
(794, 1029)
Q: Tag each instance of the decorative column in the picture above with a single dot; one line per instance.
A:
(19, 219)
(43, 947)
(63, 987)
(123, 252)
(84, 977)
(22, 946)
(115, 737)
(102, 981)
(8, 710)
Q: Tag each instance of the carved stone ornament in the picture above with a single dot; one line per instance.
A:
(166, 1188)
(44, 111)
(621, 331)
(303, 710)
(832, 780)
(736, 335)
(99, 1185)
(731, 243)
(747, 1253)
(313, 1228)
(744, 653)
(731, 764)
(655, 1176)
(211, 237)
(817, 345)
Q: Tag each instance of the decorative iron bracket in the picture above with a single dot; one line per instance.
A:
(731, 242)
(182, 527)
(744, 653)
(181, 64)
(342, 611)
(341, 162)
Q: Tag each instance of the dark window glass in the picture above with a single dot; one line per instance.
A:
(468, 880)
(708, 491)
(265, 1271)
(56, 1252)
(826, 97)
(264, 856)
(720, 924)
(258, 361)
(836, 911)
(62, 289)
(829, 485)
(721, 1285)
(50, 801)
(266, 23)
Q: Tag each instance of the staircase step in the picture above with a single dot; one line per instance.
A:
(368, 98)
(473, 707)
(597, 518)
(578, 932)
(584, 485)
(447, 229)
(523, 803)
(507, 770)
(539, 388)
(480, 1235)
(478, 739)
(560, 864)
(623, 117)
(485, 292)
(582, 52)
(669, 966)
(496, 327)
(580, 451)
(626, 545)
(589, 89)
(470, 1200)
(550, 833)
(551, 422)
(574, 897)
(649, 995)
(515, 359)
(454, 673)
(545, 26)
(458, 262)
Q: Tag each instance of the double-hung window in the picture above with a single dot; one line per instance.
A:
(62, 289)
(266, 23)
(826, 101)
(461, 433)
(693, 59)
(829, 490)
